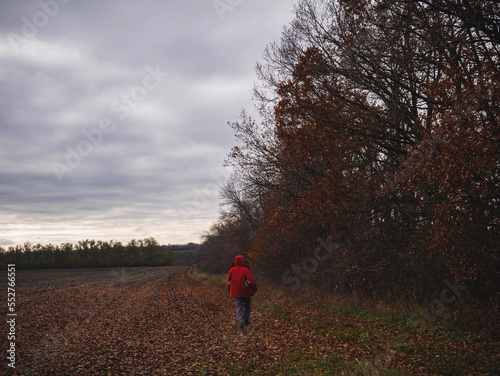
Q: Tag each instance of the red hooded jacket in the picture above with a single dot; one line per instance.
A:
(237, 277)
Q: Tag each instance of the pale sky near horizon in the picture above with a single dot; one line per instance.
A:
(114, 113)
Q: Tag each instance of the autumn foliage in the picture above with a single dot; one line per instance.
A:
(380, 132)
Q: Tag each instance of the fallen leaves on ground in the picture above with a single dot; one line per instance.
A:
(162, 321)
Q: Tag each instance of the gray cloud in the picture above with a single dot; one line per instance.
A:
(93, 142)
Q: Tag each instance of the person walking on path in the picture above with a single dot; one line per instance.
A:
(241, 286)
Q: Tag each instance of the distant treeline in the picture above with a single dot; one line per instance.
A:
(185, 254)
(92, 253)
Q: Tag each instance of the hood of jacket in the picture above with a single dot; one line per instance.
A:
(240, 261)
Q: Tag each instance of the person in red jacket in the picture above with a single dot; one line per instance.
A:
(241, 286)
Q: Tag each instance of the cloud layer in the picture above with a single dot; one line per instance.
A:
(114, 114)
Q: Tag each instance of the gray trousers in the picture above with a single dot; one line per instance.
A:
(243, 308)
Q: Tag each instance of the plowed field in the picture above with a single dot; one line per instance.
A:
(121, 321)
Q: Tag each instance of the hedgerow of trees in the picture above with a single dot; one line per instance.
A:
(380, 132)
(88, 254)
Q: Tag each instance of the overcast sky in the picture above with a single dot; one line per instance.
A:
(114, 113)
